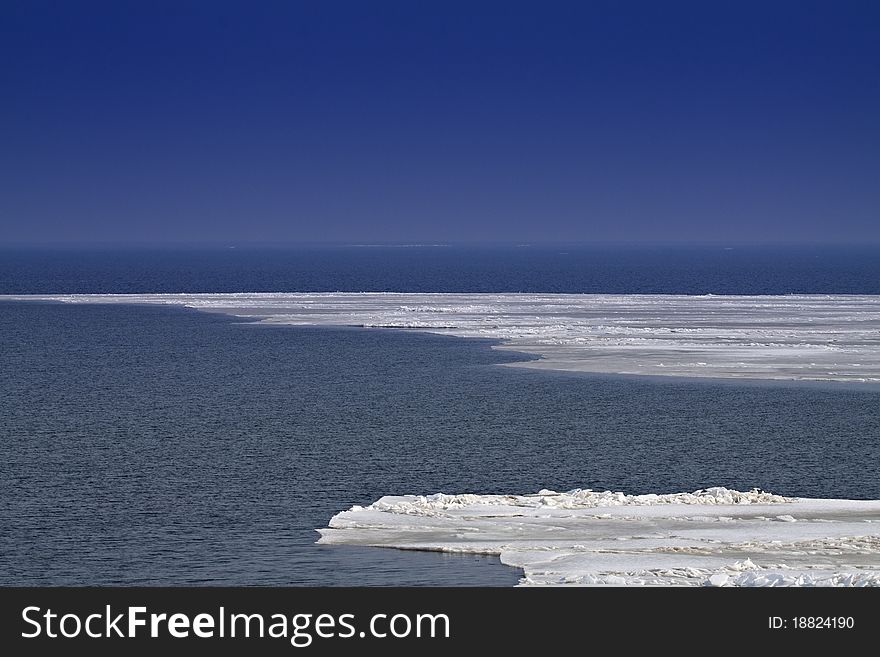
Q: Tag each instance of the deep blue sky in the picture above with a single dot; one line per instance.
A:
(375, 121)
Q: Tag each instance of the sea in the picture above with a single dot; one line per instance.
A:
(149, 445)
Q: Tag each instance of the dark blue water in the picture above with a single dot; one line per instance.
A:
(165, 446)
(147, 445)
(565, 269)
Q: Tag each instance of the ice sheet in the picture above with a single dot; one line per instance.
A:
(799, 337)
(715, 537)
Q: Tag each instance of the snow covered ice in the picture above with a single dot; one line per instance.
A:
(714, 537)
(796, 337)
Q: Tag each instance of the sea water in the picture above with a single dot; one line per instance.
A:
(149, 445)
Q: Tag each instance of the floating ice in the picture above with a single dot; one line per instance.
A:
(573, 499)
(800, 337)
(712, 537)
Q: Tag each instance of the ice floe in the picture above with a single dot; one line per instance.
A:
(798, 337)
(713, 537)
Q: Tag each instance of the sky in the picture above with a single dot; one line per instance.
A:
(450, 121)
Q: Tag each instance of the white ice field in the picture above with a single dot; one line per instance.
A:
(714, 537)
(806, 337)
